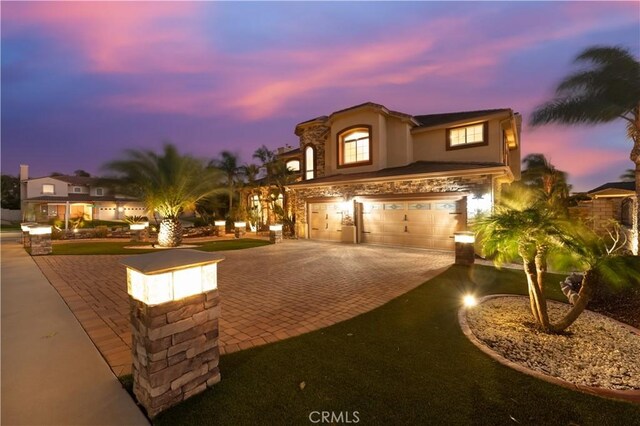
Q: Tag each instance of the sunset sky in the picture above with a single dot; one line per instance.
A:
(81, 82)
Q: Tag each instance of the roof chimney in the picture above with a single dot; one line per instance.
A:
(24, 172)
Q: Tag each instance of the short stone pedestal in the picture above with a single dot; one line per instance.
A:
(140, 236)
(275, 234)
(174, 325)
(40, 240)
(26, 241)
(220, 228)
(348, 234)
(139, 232)
(240, 228)
(465, 250)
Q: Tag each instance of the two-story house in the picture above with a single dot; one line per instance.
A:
(392, 178)
(68, 197)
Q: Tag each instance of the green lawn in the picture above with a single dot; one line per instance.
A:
(119, 247)
(406, 362)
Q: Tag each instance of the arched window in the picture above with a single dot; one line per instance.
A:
(309, 163)
(354, 146)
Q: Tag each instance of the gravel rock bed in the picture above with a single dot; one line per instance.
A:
(595, 351)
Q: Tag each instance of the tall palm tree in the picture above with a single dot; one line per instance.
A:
(551, 183)
(605, 90)
(168, 183)
(228, 164)
(629, 175)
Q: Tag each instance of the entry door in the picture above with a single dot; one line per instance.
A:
(325, 221)
(421, 223)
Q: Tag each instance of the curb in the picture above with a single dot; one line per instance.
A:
(625, 395)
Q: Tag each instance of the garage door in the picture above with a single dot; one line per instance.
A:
(325, 221)
(423, 223)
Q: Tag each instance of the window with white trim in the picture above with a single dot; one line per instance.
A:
(459, 137)
(77, 189)
(354, 146)
(48, 188)
(99, 191)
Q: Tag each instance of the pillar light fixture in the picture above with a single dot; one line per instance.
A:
(240, 224)
(219, 223)
(162, 277)
(25, 226)
(39, 230)
(275, 227)
(464, 237)
(138, 226)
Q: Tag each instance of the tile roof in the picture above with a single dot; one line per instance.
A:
(450, 117)
(78, 198)
(426, 120)
(419, 167)
(625, 186)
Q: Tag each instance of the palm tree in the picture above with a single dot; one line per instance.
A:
(168, 183)
(607, 89)
(629, 175)
(542, 176)
(523, 227)
(228, 164)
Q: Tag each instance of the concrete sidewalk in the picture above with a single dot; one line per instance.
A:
(52, 374)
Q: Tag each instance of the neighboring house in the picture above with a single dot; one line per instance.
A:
(67, 197)
(612, 201)
(372, 175)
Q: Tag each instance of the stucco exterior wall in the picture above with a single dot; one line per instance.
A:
(34, 187)
(431, 145)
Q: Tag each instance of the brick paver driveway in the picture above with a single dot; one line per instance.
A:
(267, 293)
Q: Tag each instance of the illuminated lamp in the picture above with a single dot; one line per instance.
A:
(464, 246)
(171, 275)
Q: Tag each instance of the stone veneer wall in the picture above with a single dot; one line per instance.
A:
(417, 186)
(175, 349)
(315, 135)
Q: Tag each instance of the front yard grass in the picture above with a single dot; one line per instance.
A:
(406, 362)
(119, 247)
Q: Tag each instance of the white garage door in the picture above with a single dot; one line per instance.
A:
(422, 223)
(325, 221)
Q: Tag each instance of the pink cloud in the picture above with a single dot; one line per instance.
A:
(122, 37)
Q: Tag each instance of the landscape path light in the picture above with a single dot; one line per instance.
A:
(40, 240)
(240, 228)
(465, 250)
(275, 233)
(174, 312)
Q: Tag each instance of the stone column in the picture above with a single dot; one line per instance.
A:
(465, 250)
(220, 228)
(139, 232)
(240, 228)
(174, 331)
(275, 234)
(40, 240)
(26, 240)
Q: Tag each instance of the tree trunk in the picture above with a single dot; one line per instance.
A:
(635, 157)
(584, 295)
(541, 268)
(170, 234)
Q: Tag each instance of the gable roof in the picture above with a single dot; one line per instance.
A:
(614, 187)
(450, 117)
(426, 120)
(73, 180)
(417, 168)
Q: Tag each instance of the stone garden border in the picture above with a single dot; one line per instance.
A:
(626, 395)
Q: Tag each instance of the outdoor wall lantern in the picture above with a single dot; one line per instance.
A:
(465, 250)
(170, 275)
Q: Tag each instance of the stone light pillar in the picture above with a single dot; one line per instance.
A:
(40, 240)
(240, 228)
(465, 250)
(174, 325)
(139, 232)
(220, 228)
(275, 233)
(26, 241)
